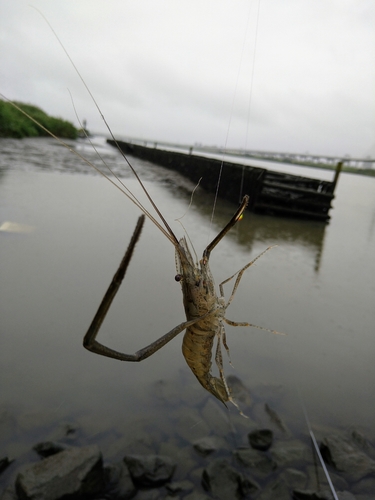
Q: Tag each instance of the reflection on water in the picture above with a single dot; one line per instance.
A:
(317, 286)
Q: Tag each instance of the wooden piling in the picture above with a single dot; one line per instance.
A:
(337, 174)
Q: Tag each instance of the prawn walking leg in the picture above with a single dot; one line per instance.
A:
(90, 342)
(239, 275)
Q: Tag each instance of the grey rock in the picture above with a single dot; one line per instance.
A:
(225, 482)
(318, 480)
(150, 495)
(345, 495)
(261, 439)
(209, 444)
(361, 441)
(48, 448)
(120, 485)
(312, 495)
(184, 456)
(321, 495)
(260, 464)
(344, 455)
(289, 452)
(294, 478)
(150, 470)
(366, 486)
(9, 494)
(196, 495)
(75, 471)
(195, 474)
(276, 490)
(179, 486)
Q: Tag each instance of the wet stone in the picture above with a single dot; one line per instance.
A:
(289, 453)
(119, 483)
(150, 470)
(185, 460)
(321, 495)
(276, 490)
(343, 454)
(75, 471)
(259, 463)
(9, 494)
(197, 496)
(367, 485)
(179, 487)
(294, 478)
(209, 444)
(225, 482)
(361, 441)
(345, 495)
(261, 439)
(48, 448)
(149, 495)
(317, 479)
(312, 495)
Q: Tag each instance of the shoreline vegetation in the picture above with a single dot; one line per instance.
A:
(15, 125)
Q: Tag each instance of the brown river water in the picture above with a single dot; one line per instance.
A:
(317, 286)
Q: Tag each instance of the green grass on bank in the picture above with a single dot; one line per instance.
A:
(16, 125)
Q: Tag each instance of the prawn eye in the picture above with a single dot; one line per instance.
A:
(178, 277)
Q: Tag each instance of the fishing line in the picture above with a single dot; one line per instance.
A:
(250, 97)
(316, 446)
(233, 102)
(314, 442)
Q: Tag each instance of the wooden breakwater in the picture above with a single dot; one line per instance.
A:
(270, 192)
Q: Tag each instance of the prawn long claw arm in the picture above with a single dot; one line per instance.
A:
(89, 340)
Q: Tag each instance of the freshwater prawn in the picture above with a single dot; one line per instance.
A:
(204, 309)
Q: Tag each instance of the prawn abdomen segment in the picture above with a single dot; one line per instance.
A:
(197, 350)
(200, 299)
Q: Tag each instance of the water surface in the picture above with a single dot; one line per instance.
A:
(317, 286)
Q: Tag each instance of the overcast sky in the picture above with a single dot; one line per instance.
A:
(186, 70)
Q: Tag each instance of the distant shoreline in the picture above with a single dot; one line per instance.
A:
(351, 170)
(14, 124)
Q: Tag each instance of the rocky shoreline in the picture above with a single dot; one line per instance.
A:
(267, 463)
